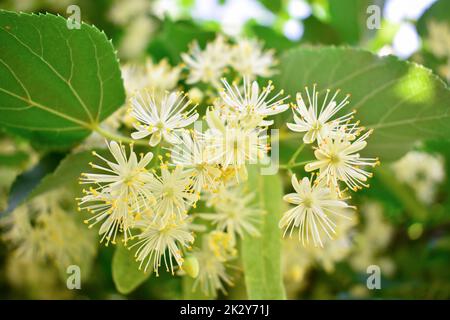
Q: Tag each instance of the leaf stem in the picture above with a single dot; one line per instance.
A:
(289, 166)
(156, 153)
(296, 153)
(117, 137)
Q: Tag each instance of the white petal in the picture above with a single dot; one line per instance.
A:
(155, 139)
(140, 134)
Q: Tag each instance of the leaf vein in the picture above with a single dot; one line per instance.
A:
(49, 110)
(74, 92)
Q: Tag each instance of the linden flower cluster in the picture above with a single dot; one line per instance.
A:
(158, 76)
(319, 200)
(372, 240)
(126, 196)
(439, 44)
(132, 199)
(43, 229)
(216, 251)
(421, 171)
(247, 58)
(297, 262)
(148, 199)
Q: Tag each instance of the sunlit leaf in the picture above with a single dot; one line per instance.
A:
(126, 275)
(349, 18)
(56, 84)
(404, 102)
(261, 256)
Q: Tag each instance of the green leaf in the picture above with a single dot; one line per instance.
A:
(349, 17)
(27, 181)
(66, 174)
(404, 102)
(261, 256)
(175, 37)
(318, 32)
(56, 84)
(273, 5)
(126, 275)
(7, 177)
(271, 38)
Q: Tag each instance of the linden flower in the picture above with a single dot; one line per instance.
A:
(253, 104)
(162, 76)
(372, 240)
(249, 59)
(159, 76)
(28, 240)
(338, 160)
(235, 215)
(43, 230)
(194, 155)
(222, 245)
(172, 193)
(119, 192)
(209, 65)
(297, 261)
(60, 229)
(314, 204)
(234, 145)
(212, 273)
(122, 12)
(439, 38)
(233, 175)
(422, 172)
(136, 37)
(318, 123)
(161, 120)
(160, 237)
(19, 224)
(114, 212)
(134, 77)
(127, 174)
(237, 147)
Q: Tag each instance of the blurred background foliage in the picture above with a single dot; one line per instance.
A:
(406, 235)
